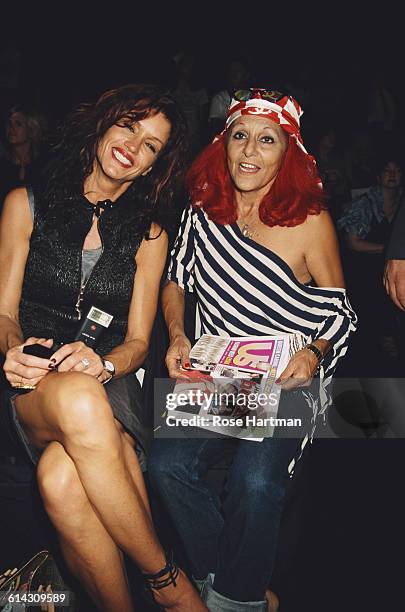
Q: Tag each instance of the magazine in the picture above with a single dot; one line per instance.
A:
(231, 387)
(257, 354)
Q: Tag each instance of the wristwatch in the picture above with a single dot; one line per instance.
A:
(109, 367)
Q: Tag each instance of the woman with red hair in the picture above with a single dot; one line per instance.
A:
(258, 248)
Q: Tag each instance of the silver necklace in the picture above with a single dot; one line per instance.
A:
(248, 231)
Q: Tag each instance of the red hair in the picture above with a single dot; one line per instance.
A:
(294, 195)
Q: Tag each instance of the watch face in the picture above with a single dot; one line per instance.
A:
(109, 366)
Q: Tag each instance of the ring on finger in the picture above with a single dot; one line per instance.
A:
(85, 363)
(22, 385)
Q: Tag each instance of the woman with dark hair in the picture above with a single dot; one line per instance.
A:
(94, 235)
(366, 224)
(258, 249)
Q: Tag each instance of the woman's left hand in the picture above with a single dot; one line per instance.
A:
(78, 357)
(300, 370)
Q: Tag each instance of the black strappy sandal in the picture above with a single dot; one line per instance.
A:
(163, 578)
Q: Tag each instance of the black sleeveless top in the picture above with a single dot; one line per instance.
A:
(53, 298)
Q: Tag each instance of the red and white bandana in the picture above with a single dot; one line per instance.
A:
(285, 111)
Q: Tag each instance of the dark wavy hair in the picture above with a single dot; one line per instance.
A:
(294, 195)
(77, 140)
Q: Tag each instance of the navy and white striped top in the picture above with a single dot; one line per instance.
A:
(244, 288)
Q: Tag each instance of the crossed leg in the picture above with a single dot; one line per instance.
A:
(87, 456)
(90, 552)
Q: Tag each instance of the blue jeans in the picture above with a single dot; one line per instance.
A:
(237, 539)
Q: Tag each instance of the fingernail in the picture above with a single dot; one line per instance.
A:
(187, 365)
(278, 380)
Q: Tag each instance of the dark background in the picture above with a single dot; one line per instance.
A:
(71, 52)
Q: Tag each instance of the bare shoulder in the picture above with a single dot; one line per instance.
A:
(318, 234)
(155, 246)
(320, 226)
(16, 216)
(158, 238)
(156, 232)
(16, 197)
(322, 251)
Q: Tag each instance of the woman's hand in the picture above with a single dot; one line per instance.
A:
(78, 357)
(26, 371)
(394, 281)
(300, 370)
(178, 356)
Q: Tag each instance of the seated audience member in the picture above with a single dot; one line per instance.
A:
(258, 249)
(93, 235)
(360, 162)
(332, 170)
(367, 226)
(23, 141)
(236, 75)
(192, 99)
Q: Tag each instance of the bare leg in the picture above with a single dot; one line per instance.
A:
(72, 408)
(133, 466)
(89, 551)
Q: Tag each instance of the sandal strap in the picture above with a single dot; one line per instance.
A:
(167, 575)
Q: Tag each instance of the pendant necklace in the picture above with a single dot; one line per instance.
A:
(247, 232)
(248, 229)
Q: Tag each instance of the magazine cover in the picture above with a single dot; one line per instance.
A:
(257, 354)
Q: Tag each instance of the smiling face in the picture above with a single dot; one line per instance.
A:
(129, 150)
(255, 150)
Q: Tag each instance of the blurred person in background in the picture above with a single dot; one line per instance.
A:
(331, 168)
(366, 224)
(360, 160)
(236, 75)
(24, 159)
(192, 99)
